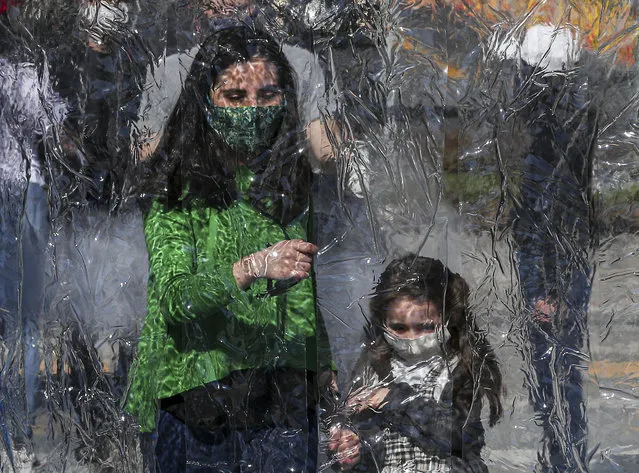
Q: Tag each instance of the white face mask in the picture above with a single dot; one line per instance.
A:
(421, 348)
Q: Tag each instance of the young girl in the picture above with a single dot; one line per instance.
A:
(420, 380)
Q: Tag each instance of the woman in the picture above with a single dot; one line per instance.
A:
(421, 377)
(232, 348)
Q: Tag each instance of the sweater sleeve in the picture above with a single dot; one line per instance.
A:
(185, 289)
(454, 429)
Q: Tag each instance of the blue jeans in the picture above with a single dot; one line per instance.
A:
(23, 261)
(554, 376)
(552, 231)
(34, 259)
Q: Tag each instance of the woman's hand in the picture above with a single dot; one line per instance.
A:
(287, 259)
(345, 445)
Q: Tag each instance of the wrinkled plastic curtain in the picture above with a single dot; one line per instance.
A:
(493, 135)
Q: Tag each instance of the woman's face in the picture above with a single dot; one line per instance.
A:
(407, 317)
(248, 84)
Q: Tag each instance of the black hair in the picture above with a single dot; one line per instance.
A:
(427, 279)
(199, 164)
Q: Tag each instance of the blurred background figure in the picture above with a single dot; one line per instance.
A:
(94, 298)
(554, 231)
(98, 63)
(99, 69)
(540, 126)
(30, 116)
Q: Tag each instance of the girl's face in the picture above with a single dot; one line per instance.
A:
(248, 84)
(407, 317)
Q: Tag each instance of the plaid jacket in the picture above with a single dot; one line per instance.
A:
(419, 430)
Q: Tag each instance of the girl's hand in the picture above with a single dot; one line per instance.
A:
(287, 259)
(345, 445)
(367, 398)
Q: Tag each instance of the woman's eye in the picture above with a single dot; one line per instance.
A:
(234, 96)
(269, 94)
(428, 327)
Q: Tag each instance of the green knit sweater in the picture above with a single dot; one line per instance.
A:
(200, 325)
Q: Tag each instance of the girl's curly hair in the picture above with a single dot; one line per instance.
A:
(427, 279)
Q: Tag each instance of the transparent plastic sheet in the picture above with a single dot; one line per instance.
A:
(499, 137)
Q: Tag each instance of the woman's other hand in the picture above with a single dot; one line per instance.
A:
(287, 259)
(345, 445)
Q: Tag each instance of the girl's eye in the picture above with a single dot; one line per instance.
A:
(428, 327)
(399, 328)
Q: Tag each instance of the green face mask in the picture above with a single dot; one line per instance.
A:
(247, 130)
